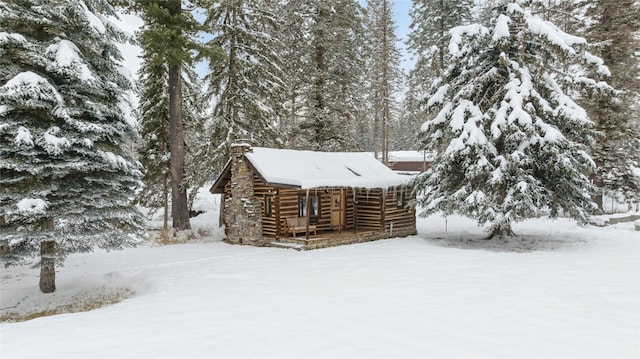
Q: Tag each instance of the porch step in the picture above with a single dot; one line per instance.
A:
(297, 246)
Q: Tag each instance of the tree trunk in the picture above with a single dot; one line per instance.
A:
(501, 231)
(179, 209)
(4, 248)
(47, 266)
(597, 199)
(165, 203)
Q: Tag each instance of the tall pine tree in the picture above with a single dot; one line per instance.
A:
(617, 149)
(427, 42)
(325, 78)
(154, 150)
(246, 88)
(67, 176)
(384, 73)
(511, 143)
(169, 38)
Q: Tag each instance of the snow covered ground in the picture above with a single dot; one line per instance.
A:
(560, 292)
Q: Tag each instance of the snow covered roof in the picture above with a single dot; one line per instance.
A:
(310, 169)
(410, 156)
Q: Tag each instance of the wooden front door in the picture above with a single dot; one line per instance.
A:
(338, 210)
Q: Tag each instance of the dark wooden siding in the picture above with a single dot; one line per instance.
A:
(261, 190)
(368, 210)
(396, 210)
(410, 166)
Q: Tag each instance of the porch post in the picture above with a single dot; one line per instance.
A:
(308, 204)
(276, 198)
(331, 210)
(383, 199)
(355, 210)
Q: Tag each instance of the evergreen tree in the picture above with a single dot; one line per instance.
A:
(384, 72)
(167, 22)
(325, 78)
(247, 87)
(428, 41)
(617, 150)
(154, 150)
(67, 176)
(511, 144)
(292, 36)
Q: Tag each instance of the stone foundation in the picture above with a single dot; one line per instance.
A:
(346, 238)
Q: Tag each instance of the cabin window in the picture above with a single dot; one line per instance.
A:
(314, 209)
(268, 205)
(400, 197)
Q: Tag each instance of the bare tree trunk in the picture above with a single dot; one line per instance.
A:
(4, 248)
(179, 209)
(503, 230)
(47, 266)
(165, 204)
(597, 199)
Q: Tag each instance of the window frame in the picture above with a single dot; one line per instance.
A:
(302, 206)
(400, 198)
(268, 205)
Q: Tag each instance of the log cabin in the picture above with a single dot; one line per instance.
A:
(308, 200)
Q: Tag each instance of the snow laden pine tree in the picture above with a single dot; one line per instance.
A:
(511, 143)
(427, 42)
(246, 87)
(67, 174)
(325, 73)
(429, 36)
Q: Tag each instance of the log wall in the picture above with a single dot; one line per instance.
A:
(397, 214)
(369, 212)
(366, 210)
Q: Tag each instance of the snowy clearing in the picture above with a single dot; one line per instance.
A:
(560, 292)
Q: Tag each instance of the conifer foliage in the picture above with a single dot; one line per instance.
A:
(155, 147)
(617, 150)
(427, 42)
(245, 88)
(511, 143)
(169, 41)
(325, 72)
(66, 172)
(384, 73)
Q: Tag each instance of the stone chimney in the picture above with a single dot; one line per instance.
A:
(242, 210)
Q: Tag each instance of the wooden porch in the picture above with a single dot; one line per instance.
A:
(325, 239)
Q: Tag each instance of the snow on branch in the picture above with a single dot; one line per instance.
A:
(501, 29)
(439, 96)
(30, 85)
(93, 20)
(53, 144)
(32, 206)
(23, 137)
(67, 56)
(6, 38)
(457, 34)
(556, 36)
